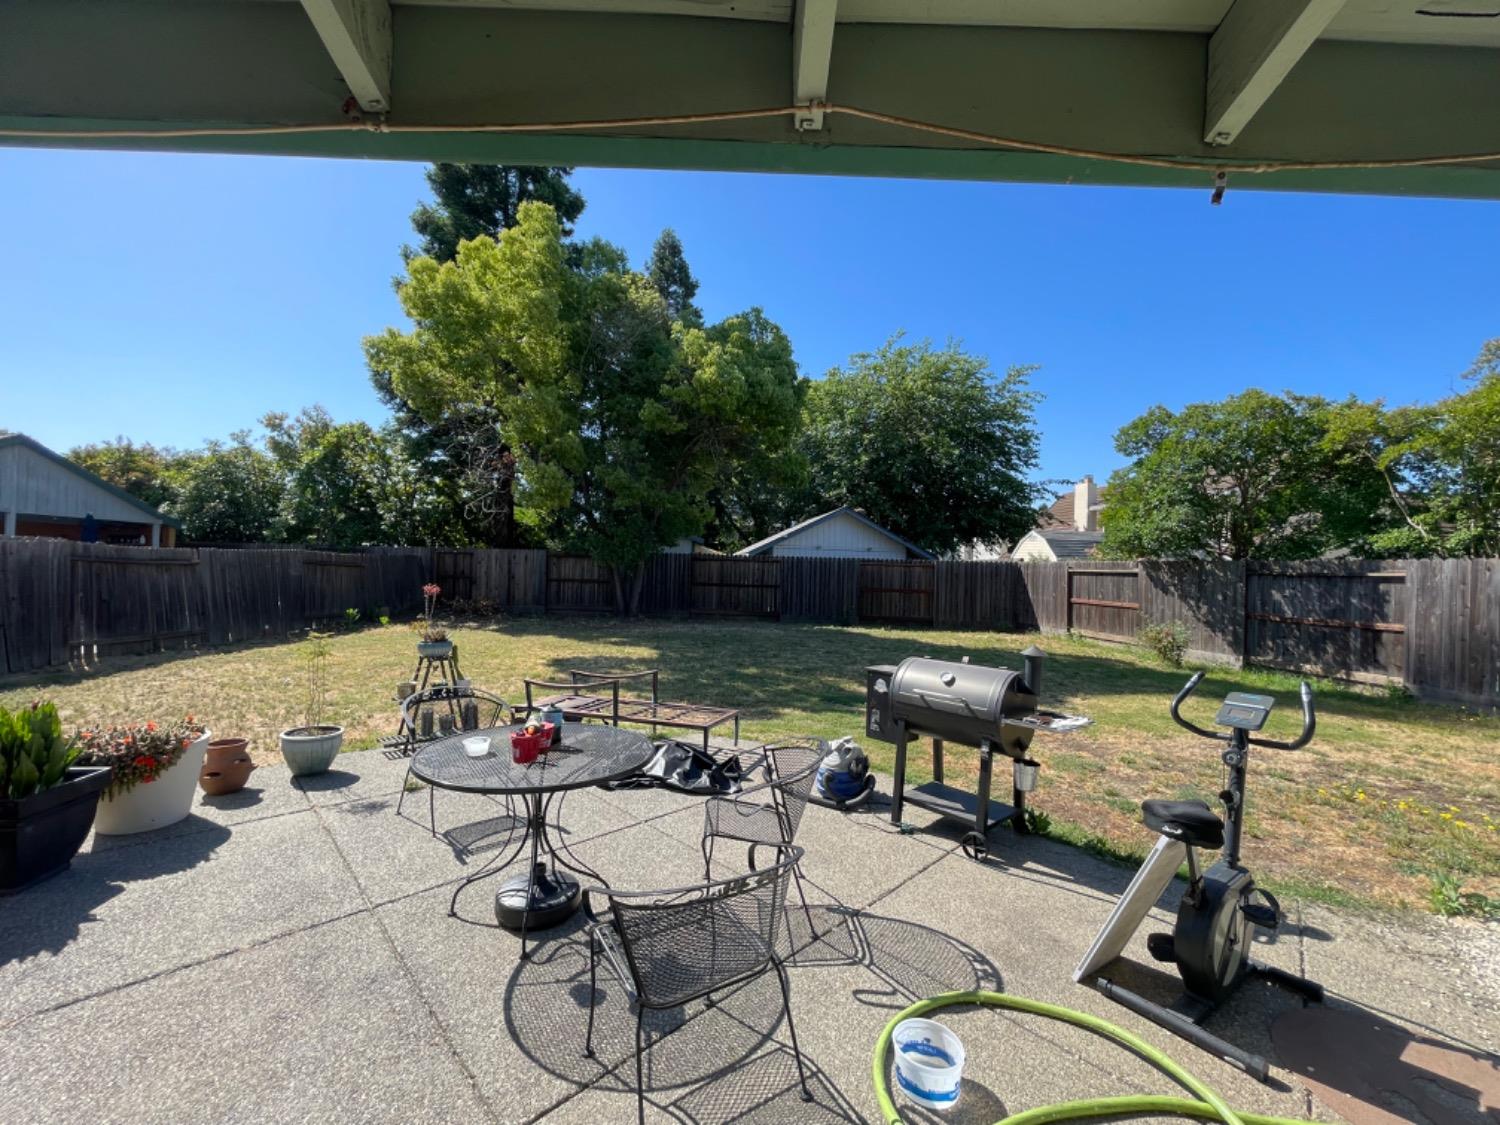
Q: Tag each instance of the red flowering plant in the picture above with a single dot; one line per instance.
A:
(138, 753)
(431, 632)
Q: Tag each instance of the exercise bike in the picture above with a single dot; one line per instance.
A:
(1210, 944)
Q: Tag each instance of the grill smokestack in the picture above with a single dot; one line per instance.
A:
(1032, 659)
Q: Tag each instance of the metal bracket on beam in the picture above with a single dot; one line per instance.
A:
(809, 118)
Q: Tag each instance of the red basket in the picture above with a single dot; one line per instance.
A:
(525, 747)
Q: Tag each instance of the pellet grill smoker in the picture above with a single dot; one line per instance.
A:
(992, 709)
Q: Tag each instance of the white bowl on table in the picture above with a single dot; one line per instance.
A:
(477, 746)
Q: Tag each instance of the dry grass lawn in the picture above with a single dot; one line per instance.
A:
(1391, 795)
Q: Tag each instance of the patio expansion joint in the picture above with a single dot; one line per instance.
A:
(161, 974)
(411, 976)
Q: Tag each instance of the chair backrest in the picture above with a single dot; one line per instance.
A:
(794, 770)
(469, 709)
(684, 943)
(582, 678)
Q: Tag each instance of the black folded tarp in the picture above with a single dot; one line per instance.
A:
(686, 768)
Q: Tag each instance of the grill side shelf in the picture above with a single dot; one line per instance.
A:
(1054, 722)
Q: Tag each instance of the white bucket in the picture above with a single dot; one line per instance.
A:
(929, 1063)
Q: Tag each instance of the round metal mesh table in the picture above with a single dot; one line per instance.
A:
(586, 755)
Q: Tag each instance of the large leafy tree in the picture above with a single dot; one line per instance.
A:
(231, 492)
(1439, 465)
(145, 471)
(618, 419)
(466, 480)
(1247, 476)
(347, 485)
(928, 441)
(474, 199)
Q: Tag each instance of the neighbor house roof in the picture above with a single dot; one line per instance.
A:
(1060, 514)
(771, 540)
(1069, 544)
(8, 437)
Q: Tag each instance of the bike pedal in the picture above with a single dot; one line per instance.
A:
(1161, 947)
(1263, 915)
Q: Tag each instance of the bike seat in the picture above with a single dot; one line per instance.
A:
(1192, 822)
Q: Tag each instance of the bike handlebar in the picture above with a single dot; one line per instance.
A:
(1309, 719)
(1309, 724)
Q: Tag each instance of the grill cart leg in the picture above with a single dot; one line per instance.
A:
(898, 785)
(937, 760)
(986, 778)
(1018, 818)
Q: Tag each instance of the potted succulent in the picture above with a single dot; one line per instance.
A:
(434, 644)
(312, 747)
(47, 801)
(154, 772)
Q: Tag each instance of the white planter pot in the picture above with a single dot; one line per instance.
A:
(155, 804)
(310, 750)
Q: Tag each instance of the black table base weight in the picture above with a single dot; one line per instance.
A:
(544, 897)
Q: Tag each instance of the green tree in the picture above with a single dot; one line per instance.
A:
(928, 442)
(337, 479)
(474, 199)
(671, 277)
(619, 421)
(466, 480)
(145, 471)
(1250, 476)
(1439, 465)
(231, 493)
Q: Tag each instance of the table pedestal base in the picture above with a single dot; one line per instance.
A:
(538, 901)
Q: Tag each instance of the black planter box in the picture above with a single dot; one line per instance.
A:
(40, 834)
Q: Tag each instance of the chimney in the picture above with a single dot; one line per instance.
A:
(1085, 503)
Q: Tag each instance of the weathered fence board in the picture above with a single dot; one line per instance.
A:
(825, 590)
(901, 593)
(1205, 595)
(1335, 617)
(736, 587)
(579, 585)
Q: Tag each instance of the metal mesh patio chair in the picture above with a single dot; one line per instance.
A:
(671, 947)
(773, 823)
(422, 720)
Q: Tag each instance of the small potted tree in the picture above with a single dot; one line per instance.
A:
(154, 772)
(312, 747)
(434, 644)
(47, 802)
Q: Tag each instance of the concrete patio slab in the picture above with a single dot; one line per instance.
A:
(1438, 977)
(394, 856)
(356, 775)
(127, 913)
(322, 1025)
(303, 965)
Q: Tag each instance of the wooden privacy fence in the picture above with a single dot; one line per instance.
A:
(1432, 624)
(65, 603)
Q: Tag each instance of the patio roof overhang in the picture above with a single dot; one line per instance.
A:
(1154, 92)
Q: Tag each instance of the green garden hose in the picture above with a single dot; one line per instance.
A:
(1205, 1103)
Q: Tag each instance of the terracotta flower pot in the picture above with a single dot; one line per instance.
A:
(226, 767)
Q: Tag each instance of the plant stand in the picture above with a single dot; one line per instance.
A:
(445, 669)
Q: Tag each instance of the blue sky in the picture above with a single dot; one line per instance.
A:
(176, 298)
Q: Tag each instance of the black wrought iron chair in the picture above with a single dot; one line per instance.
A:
(437, 713)
(772, 823)
(671, 947)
